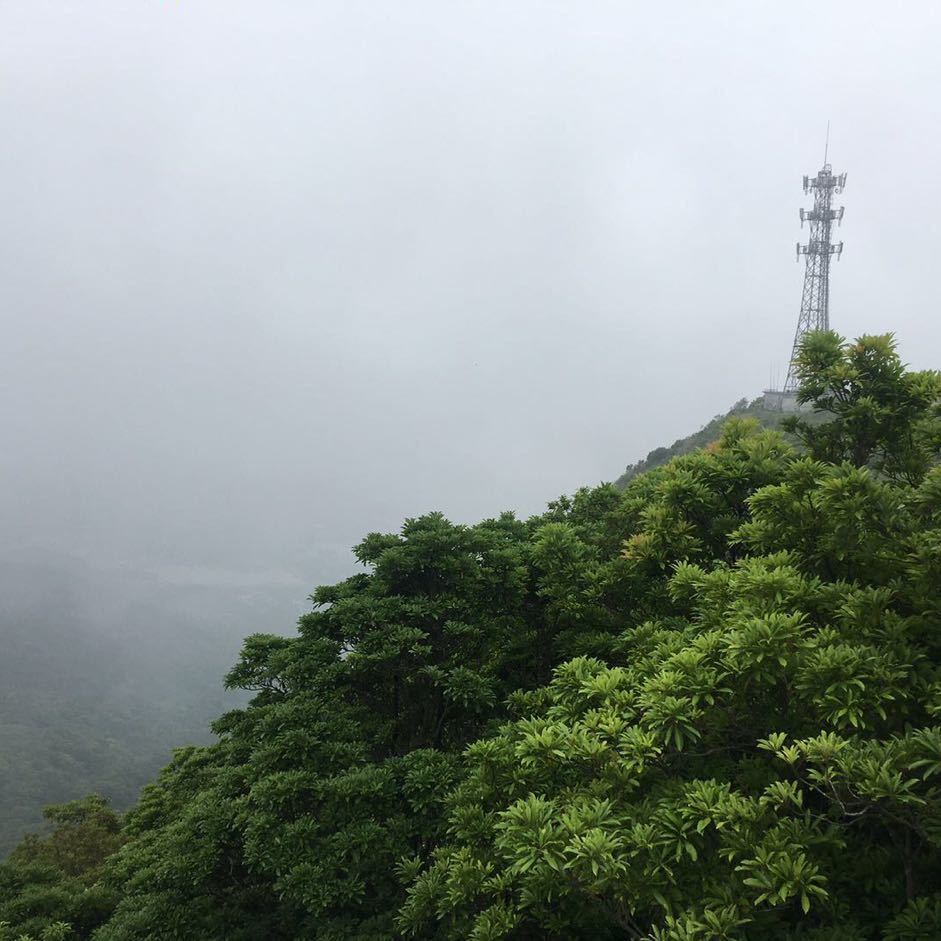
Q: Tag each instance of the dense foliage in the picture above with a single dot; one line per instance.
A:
(50, 887)
(703, 706)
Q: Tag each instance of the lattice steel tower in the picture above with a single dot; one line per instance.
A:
(815, 301)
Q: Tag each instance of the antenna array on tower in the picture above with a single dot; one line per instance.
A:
(818, 250)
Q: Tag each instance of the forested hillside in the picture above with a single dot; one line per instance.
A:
(103, 672)
(710, 432)
(704, 705)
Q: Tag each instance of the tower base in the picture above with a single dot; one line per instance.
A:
(777, 400)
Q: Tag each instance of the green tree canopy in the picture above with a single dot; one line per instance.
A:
(50, 884)
(881, 415)
(704, 706)
(760, 758)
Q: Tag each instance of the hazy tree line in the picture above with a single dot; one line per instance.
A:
(701, 706)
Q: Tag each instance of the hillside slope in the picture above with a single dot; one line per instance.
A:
(711, 431)
(703, 705)
(103, 673)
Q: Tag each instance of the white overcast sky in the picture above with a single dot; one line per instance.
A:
(275, 274)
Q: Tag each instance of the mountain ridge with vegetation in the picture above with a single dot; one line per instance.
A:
(702, 706)
(710, 431)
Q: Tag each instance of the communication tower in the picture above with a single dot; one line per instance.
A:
(817, 252)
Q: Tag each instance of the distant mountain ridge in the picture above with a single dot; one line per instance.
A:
(699, 439)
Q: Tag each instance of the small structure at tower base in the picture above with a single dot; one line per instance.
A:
(777, 400)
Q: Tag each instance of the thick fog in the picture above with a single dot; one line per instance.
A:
(278, 274)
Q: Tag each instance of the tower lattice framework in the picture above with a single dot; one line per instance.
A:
(820, 248)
